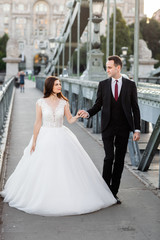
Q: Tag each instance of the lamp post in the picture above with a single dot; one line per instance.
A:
(78, 38)
(95, 70)
(108, 30)
(70, 7)
(114, 29)
(123, 57)
(136, 41)
(42, 47)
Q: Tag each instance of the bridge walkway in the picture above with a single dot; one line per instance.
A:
(138, 217)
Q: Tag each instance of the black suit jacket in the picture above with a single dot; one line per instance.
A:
(129, 103)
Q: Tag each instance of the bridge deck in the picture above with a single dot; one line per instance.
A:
(137, 218)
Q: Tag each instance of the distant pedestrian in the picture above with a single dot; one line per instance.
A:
(21, 77)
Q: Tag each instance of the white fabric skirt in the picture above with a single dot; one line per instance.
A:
(57, 179)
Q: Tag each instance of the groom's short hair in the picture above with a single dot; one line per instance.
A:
(117, 60)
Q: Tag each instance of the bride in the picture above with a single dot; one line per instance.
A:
(55, 176)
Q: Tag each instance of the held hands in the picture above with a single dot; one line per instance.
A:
(136, 136)
(82, 114)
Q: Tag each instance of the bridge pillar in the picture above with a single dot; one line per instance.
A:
(12, 59)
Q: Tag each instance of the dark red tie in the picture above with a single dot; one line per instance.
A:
(116, 91)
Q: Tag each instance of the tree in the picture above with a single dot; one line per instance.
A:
(123, 36)
(3, 43)
(151, 34)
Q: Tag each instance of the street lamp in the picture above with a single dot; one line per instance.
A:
(97, 7)
(95, 70)
(124, 51)
(124, 57)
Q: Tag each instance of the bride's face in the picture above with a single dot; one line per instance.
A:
(57, 87)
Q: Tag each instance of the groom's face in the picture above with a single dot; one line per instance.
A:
(112, 70)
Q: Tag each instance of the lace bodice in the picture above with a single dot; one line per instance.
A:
(52, 117)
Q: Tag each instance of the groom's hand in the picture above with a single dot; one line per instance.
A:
(136, 136)
(83, 114)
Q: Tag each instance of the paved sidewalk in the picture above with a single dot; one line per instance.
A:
(138, 217)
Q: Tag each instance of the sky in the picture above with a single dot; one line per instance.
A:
(151, 6)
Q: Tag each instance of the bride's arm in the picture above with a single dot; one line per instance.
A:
(68, 114)
(37, 126)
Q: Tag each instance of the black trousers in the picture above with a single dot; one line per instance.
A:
(115, 145)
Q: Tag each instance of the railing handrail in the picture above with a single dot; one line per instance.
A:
(5, 86)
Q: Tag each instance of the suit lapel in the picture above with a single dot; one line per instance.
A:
(123, 89)
(108, 90)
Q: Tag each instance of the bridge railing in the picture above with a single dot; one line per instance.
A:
(5, 97)
(82, 95)
(155, 80)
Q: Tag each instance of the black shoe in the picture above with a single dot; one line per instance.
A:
(118, 200)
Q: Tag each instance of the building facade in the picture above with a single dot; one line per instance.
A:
(156, 15)
(32, 23)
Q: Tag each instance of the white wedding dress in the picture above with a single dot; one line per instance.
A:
(58, 178)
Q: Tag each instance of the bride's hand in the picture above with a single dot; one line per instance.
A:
(33, 147)
(77, 115)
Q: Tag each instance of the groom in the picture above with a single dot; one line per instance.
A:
(117, 97)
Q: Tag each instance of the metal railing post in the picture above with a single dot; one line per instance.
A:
(78, 39)
(108, 30)
(136, 41)
(114, 29)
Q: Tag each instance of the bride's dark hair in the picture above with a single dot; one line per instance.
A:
(48, 87)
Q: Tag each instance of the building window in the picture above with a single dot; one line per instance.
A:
(21, 46)
(132, 10)
(61, 8)
(55, 10)
(21, 7)
(41, 7)
(40, 32)
(21, 20)
(41, 21)
(6, 30)
(6, 20)
(36, 44)
(35, 32)
(6, 7)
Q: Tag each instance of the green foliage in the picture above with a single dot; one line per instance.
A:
(151, 34)
(123, 37)
(3, 43)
